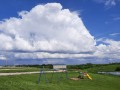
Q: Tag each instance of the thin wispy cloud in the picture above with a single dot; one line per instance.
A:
(116, 19)
(107, 22)
(114, 34)
(113, 19)
(108, 3)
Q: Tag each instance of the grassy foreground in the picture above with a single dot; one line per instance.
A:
(30, 82)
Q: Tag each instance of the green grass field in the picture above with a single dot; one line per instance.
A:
(103, 68)
(18, 69)
(30, 82)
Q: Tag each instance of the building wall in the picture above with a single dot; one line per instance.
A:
(59, 66)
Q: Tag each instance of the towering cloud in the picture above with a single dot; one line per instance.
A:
(52, 32)
(47, 28)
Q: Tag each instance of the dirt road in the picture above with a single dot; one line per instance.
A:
(20, 73)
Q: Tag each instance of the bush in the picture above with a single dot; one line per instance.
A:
(117, 69)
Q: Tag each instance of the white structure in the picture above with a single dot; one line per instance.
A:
(59, 66)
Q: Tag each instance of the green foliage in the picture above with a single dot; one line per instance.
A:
(50, 66)
(117, 68)
(82, 66)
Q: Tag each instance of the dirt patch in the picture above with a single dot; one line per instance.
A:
(75, 79)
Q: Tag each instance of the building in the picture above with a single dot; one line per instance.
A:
(59, 66)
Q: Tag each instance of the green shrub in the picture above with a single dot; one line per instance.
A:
(117, 69)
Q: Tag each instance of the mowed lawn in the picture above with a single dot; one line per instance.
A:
(30, 82)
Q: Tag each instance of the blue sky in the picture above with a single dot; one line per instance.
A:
(101, 18)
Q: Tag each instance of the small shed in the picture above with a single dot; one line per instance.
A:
(59, 66)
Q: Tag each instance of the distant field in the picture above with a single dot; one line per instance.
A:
(18, 69)
(103, 68)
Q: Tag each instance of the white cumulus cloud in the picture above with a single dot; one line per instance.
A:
(2, 57)
(109, 50)
(48, 28)
(49, 31)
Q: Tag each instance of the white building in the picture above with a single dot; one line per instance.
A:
(59, 66)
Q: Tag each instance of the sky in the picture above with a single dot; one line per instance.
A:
(59, 31)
